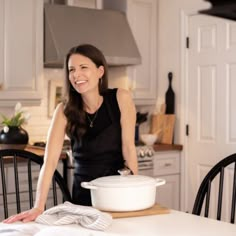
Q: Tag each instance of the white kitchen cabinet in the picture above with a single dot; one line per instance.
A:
(21, 51)
(167, 166)
(142, 17)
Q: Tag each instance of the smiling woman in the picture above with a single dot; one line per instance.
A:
(99, 122)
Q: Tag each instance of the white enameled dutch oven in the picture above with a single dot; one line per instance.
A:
(123, 193)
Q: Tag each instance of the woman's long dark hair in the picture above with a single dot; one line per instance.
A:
(74, 107)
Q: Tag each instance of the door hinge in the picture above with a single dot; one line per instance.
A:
(187, 42)
(187, 130)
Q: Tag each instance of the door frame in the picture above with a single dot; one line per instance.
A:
(184, 119)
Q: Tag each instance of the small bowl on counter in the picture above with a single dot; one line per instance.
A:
(148, 139)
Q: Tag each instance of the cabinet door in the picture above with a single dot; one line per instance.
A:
(142, 17)
(168, 195)
(166, 163)
(21, 51)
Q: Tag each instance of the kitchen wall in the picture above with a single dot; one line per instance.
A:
(169, 59)
(39, 122)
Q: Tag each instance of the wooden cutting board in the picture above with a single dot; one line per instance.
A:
(163, 126)
(155, 210)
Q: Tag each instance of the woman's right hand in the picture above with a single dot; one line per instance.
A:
(25, 216)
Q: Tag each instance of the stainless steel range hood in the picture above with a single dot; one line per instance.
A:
(67, 26)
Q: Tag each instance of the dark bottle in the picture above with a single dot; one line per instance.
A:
(170, 96)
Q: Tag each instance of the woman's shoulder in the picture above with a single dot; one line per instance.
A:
(123, 94)
(59, 112)
(60, 107)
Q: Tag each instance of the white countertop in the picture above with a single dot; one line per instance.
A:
(176, 223)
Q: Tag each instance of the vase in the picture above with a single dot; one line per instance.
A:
(15, 135)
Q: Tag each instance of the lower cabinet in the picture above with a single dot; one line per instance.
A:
(167, 166)
(168, 194)
(23, 188)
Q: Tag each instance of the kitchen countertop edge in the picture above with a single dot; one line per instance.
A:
(40, 151)
(167, 147)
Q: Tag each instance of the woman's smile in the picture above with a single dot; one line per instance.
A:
(83, 73)
(79, 82)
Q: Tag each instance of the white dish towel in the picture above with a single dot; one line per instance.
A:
(68, 213)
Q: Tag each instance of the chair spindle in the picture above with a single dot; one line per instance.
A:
(220, 195)
(232, 218)
(4, 189)
(208, 194)
(17, 184)
(30, 183)
(54, 191)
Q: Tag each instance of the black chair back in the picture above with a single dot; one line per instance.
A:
(204, 192)
(18, 179)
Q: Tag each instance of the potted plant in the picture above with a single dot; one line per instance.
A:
(12, 132)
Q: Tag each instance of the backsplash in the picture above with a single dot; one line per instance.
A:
(39, 121)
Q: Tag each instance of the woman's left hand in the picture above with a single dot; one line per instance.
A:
(25, 216)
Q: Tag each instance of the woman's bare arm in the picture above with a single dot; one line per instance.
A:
(128, 120)
(55, 139)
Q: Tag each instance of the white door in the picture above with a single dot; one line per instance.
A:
(211, 93)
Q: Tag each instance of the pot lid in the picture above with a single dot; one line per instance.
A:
(123, 181)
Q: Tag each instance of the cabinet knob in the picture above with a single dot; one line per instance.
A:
(167, 164)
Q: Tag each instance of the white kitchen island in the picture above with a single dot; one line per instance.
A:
(175, 223)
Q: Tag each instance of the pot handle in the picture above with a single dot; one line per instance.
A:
(88, 185)
(160, 182)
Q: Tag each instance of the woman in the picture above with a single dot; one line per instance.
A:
(100, 123)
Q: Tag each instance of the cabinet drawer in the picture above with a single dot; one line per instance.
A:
(166, 163)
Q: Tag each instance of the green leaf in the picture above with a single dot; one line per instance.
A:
(5, 120)
(16, 120)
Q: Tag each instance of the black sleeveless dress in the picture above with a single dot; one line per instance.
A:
(99, 152)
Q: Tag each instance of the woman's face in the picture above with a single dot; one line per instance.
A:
(84, 75)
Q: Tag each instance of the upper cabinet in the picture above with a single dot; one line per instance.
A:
(21, 51)
(142, 17)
